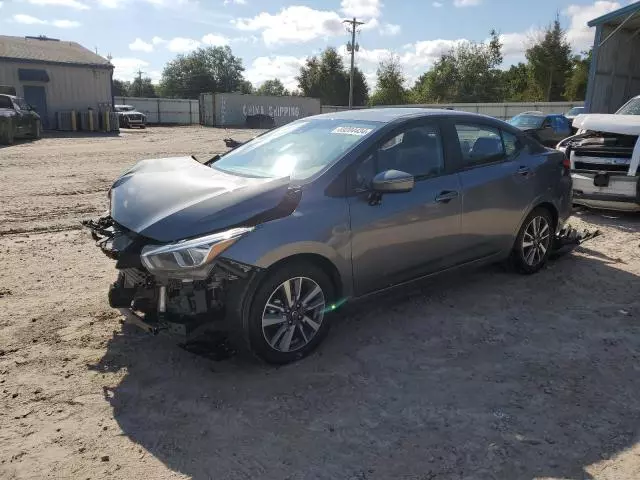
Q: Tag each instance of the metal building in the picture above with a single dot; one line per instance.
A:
(55, 76)
(614, 76)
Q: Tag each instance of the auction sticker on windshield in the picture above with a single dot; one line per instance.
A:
(358, 131)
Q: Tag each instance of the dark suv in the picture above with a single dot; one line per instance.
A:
(17, 119)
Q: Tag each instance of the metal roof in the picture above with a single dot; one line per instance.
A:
(617, 16)
(46, 50)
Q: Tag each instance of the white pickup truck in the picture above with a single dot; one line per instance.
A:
(605, 158)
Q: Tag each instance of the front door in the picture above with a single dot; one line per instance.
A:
(404, 235)
(36, 97)
(497, 185)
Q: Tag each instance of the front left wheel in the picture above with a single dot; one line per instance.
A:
(288, 314)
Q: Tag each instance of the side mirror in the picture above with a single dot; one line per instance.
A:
(392, 181)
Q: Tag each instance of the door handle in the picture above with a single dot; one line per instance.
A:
(446, 196)
(524, 171)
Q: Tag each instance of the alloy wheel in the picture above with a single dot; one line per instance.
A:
(536, 240)
(293, 314)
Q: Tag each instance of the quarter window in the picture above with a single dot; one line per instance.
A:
(479, 144)
(511, 143)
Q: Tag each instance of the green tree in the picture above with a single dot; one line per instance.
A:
(327, 79)
(517, 83)
(121, 88)
(142, 88)
(246, 87)
(579, 77)
(210, 69)
(273, 87)
(389, 84)
(467, 73)
(550, 62)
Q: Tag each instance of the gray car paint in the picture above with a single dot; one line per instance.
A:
(405, 236)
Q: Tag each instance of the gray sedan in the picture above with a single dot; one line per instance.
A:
(269, 239)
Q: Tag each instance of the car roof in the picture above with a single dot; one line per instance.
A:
(387, 115)
(7, 95)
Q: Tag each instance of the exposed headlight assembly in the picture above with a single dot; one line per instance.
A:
(189, 258)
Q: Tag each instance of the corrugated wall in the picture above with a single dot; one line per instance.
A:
(176, 111)
(68, 88)
(503, 111)
(617, 70)
(232, 109)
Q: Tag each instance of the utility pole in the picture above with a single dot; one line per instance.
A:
(140, 72)
(353, 48)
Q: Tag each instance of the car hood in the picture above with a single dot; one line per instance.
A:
(169, 199)
(611, 123)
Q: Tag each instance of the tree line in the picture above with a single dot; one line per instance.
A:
(469, 72)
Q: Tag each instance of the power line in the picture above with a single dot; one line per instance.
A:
(352, 47)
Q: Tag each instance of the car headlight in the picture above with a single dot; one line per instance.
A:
(189, 256)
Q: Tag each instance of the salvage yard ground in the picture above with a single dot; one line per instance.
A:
(483, 375)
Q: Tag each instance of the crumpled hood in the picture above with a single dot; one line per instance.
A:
(610, 123)
(171, 199)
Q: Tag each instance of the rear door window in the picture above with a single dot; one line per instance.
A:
(5, 102)
(480, 144)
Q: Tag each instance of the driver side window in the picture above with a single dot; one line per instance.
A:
(416, 150)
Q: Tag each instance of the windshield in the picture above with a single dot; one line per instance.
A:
(632, 107)
(527, 121)
(124, 108)
(298, 150)
(575, 111)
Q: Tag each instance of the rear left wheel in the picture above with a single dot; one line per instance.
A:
(534, 241)
(288, 314)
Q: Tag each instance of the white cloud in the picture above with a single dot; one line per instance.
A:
(237, 2)
(215, 40)
(111, 3)
(182, 45)
(60, 3)
(437, 4)
(28, 20)
(361, 8)
(1, 4)
(286, 68)
(578, 33)
(293, 24)
(140, 45)
(466, 3)
(389, 29)
(126, 68)
(158, 40)
(65, 23)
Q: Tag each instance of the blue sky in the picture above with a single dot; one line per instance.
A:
(273, 37)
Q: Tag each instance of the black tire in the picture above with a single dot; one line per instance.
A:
(143, 126)
(36, 129)
(528, 259)
(256, 338)
(6, 131)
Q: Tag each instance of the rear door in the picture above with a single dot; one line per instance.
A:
(404, 235)
(497, 187)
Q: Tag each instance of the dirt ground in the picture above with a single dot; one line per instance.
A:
(483, 375)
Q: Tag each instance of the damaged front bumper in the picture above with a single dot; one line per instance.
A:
(183, 307)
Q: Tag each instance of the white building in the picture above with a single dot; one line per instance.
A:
(55, 76)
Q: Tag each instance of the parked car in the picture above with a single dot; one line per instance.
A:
(129, 117)
(574, 112)
(17, 119)
(547, 129)
(267, 240)
(604, 167)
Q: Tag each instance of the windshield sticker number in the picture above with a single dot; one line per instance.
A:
(360, 132)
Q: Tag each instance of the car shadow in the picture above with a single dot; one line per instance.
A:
(476, 375)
